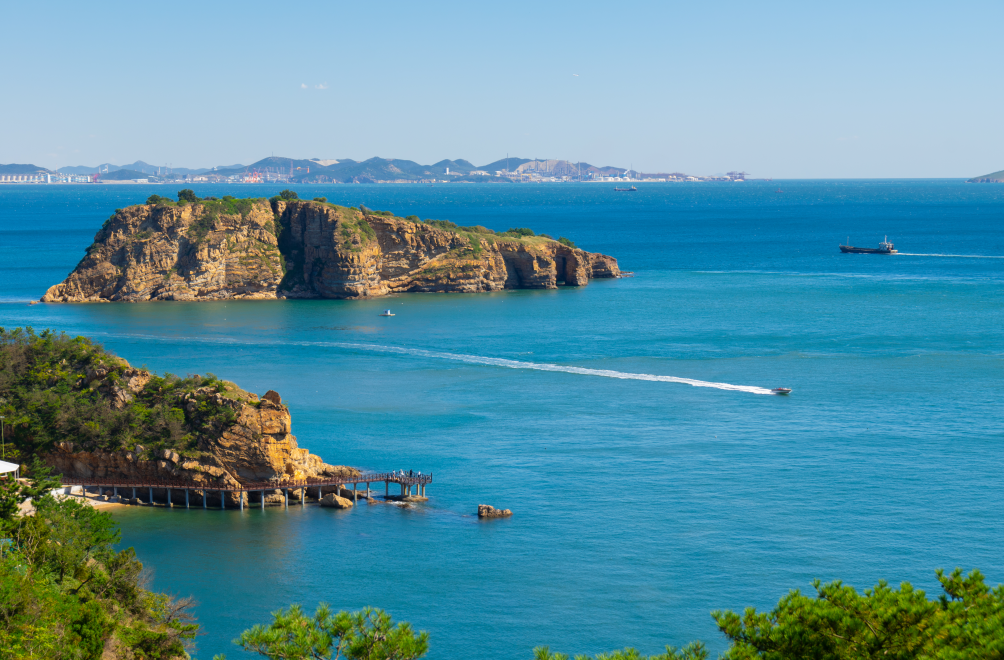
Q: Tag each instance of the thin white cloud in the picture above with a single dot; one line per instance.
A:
(321, 86)
(303, 85)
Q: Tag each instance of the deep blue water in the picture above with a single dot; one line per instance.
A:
(640, 505)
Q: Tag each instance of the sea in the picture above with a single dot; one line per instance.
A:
(627, 424)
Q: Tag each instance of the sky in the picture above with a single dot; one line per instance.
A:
(778, 89)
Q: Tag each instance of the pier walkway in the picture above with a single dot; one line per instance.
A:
(406, 480)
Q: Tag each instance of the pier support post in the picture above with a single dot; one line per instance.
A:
(422, 491)
(134, 493)
(223, 500)
(115, 491)
(203, 498)
(170, 504)
(386, 488)
(318, 493)
(355, 492)
(151, 496)
(241, 495)
(186, 498)
(303, 496)
(263, 500)
(285, 493)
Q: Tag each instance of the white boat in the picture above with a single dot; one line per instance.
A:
(386, 312)
(781, 390)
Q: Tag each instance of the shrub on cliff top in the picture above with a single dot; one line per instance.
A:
(566, 241)
(57, 388)
(288, 195)
(187, 195)
(518, 232)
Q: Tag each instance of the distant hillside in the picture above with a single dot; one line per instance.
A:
(500, 165)
(138, 166)
(15, 168)
(993, 177)
(275, 163)
(123, 175)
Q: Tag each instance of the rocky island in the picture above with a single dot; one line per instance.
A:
(284, 247)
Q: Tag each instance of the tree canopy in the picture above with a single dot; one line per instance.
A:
(366, 635)
(66, 593)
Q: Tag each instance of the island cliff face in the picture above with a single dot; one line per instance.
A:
(257, 249)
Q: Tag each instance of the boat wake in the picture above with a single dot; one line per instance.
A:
(470, 359)
(958, 256)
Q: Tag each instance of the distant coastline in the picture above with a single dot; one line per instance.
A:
(281, 170)
(993, 177)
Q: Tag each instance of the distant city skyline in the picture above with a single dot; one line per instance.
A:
(783, 90)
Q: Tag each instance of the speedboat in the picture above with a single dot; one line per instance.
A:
(781, 390)
(386, 312)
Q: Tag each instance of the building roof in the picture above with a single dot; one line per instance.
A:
(8, 467)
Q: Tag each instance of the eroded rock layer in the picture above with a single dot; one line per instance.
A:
(257, 249)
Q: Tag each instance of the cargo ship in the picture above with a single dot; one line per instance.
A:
(631, 189)
(885, 247)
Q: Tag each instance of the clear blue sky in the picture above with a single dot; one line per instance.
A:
(850, 89)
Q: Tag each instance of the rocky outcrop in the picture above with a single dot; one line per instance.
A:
(257, 446)
(488, 511)
(202, 251)
(336, 502)
(260, 249)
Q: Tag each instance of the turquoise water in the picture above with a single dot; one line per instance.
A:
(640, 504)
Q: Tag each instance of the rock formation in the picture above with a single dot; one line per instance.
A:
(488, 511)
(336, 502)
(257, 446)
(212, 249)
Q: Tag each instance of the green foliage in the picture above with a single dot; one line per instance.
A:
(212, 210)
(518, 232)
(413, 218)
(321, 199)
(187, 195)
(161, 201)
(288, 195)
(692, 651)
(566, 241)
(65, 590)
(366, 635)
(60, 388)
(441, 224)
(967, 621)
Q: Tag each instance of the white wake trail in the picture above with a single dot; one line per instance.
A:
(470, 359)
(959, 256)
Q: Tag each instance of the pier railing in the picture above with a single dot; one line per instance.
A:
(405, 479)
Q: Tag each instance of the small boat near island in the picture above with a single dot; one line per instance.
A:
(387, 312)
(781, 390)
(885, 247)
(631, 189)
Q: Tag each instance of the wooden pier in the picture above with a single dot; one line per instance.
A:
(407, 481)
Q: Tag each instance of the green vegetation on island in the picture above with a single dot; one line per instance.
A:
(55, 388)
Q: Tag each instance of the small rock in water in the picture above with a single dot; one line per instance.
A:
(336, 502)
(488, 511)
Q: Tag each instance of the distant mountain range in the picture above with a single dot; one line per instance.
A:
(138, 166)
(318, 170)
